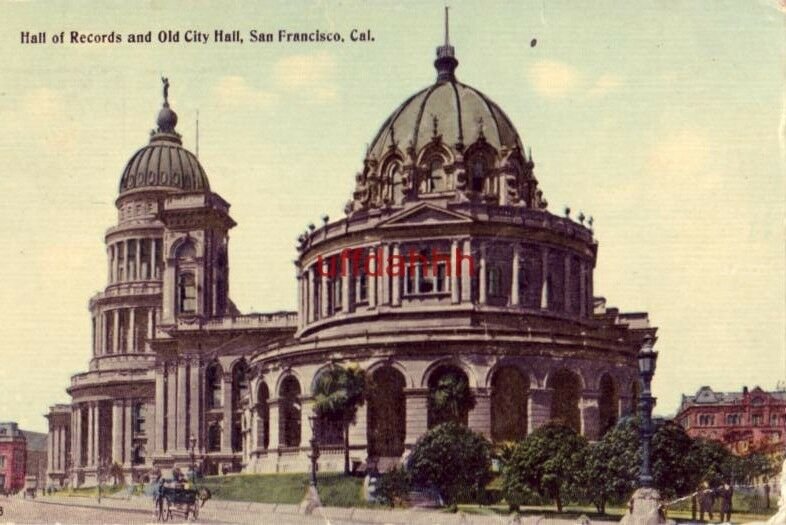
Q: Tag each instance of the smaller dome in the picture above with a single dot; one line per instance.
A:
(164, 163)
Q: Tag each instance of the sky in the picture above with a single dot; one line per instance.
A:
(664, 121)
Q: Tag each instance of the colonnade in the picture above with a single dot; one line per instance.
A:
(92, 443)
(124, 329)
(134, 259)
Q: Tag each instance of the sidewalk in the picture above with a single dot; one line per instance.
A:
(244, 512)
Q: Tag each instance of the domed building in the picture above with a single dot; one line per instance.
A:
(448, 267)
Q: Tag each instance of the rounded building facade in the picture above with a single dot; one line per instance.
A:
(448, 267)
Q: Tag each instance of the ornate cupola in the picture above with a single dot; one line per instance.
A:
(446, 143)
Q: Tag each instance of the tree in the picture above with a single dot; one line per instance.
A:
(338, 394)
(712, 461)
(674, 471)
(451, 398)
(453, 459)
(548, 461)
(611, 466)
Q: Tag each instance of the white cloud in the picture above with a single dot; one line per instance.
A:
(312, 74)
(553, 79)
(235, 91)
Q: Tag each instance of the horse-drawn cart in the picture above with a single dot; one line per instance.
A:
(178, 501)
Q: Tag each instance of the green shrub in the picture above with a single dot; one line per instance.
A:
(393, 487)
(454, 460)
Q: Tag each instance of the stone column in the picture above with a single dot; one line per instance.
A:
(539, 408)
(77, 435)
(514, 277)
(226, 433)
(138, 262)
(416, 400)
(127, 270)
(171, 408)
(479, 419)
(160, 446)
(482, 284)
(109, 264)
(588, 406)
(128, 431)
(115, 262)
(150, 333)
(153, 268)
(50, 453)
(301, 311)
(324, 291)
(116, 331)
(96, 433)
(455, 296)
(346, 280)
(131, 342)
(195, 404)
(63, 449)
(383, 280)
(117, 432)
(395, 292)
(311, 287)
(273, 440)
(371, 278)
(306, 409)
(544, 286)
(89, 461)
(466, 272)
(182, 406)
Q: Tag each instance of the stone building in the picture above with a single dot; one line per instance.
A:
(13, 458)
(744, 421)
(447, 263)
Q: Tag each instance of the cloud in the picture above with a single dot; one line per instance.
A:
(235, 91)
(312, 75)
(553, 79)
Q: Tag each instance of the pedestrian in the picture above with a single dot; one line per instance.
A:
(725, 492)
(706, 500)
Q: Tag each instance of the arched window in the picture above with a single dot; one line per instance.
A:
(396, 189)
(213, 382)
(263, 411)
(478, 174)
(186, 293)
(289, 412)
(434, 178)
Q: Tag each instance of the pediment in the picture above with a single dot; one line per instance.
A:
(424, 215)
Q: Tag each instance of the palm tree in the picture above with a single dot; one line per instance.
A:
(338, 394)
(451, 398)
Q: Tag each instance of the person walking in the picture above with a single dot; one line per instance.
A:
(706, 500)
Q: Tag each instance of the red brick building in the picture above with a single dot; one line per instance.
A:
(744, 421)
(13, 457)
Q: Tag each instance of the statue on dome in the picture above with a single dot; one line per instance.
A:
(165, 81)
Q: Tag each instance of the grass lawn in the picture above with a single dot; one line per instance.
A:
(335, 490)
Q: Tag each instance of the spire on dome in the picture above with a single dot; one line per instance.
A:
(446, 62)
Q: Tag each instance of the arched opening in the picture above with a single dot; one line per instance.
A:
(608, 404)
(387, 413)
(263, 413)
(328, 429)
(450, 398)
(565, 387)
(509, 393)
(213, 382)
(289, 412)
(240, 401)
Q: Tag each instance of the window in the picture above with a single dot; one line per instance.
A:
(424, 276)
(338, 300)
(138, 419)
(774, 420)
(138, 455)
(213, 438)
(733, 419)
(2, 461)
(213, 386)
(478, 173)
(434, 179)
(706, 420)
(186, 286)
(494, 282)
(757, 420)
(361, 285)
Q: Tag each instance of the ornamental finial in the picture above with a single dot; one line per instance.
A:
(446, 62)
(165, 81)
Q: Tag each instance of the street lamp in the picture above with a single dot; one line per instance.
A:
(648, 359)
(192, 442)
(314, 456)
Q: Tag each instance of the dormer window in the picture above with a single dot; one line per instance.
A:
(478, 174)
(186, 293)
(434, 180)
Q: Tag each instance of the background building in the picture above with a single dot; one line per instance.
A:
(745, 421)
(509, 308)
(13, 458)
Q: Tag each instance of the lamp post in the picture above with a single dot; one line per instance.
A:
(192, 442)
(647, 358)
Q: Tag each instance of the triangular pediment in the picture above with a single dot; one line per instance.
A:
(425, 214)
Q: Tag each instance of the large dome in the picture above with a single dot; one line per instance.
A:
(459, 113)
(164, 163)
